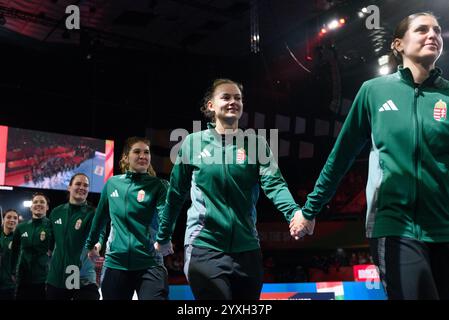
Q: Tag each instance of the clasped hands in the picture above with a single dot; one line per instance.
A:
(300, 226)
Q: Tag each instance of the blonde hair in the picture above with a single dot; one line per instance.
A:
(124, 165)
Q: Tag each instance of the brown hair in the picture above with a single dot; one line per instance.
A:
(42, 195)
(10, 210)
(395, 58)
(124, 165)
(76, 175)
(210, 115)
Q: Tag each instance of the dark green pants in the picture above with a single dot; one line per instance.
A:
(215, 275)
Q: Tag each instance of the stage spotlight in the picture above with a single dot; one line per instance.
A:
(27, 204)
(323, 31)
(383, 60)
(383, 65)
(384, 70)
(364, 10)
(333, 24)
(361, 15)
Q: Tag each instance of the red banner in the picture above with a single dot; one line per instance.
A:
(365, 272)
(3, 146)
(109, 160)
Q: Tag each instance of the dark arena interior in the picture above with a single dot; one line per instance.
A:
(77, 78)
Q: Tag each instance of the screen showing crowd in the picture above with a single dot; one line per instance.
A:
(44, 160)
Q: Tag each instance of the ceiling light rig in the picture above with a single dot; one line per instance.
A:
(254, 19)
(383, 65)
(332, 25)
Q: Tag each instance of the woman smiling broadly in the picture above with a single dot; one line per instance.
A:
(132, 203)
(31, 245)
(223, 169)
(7, 285)
(72, 275)
(404, 116)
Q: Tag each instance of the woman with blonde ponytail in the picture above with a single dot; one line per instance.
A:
(133, 202)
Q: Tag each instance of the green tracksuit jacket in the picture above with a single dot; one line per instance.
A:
(5, 261)
(71, 225)
(32, 240)
(132, 202)
(408, 182)
(224, 176)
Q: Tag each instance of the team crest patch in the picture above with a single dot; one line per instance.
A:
(78, 224)
(440, 110)
(241, 156)
(140, 196)
(42, 236)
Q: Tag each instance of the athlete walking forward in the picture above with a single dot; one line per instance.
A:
(132, 203)
(404, 117)
(223, 169)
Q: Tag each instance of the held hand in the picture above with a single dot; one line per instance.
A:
(93, 254)
(300, 226)
(165, 249)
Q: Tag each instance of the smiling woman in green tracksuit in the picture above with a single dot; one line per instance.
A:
(132, 203)
(224, 169)
(404, 116)
(72, 275)
(32, 241)
(7, 285)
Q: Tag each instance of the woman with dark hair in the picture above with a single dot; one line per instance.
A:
(7, 285)
(72, 275)
(404, 116)
(223, 168)
(132, 203)
(30, 256)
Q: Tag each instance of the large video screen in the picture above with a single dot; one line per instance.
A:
(44, 160)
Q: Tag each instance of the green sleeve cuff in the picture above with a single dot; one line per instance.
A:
(307, 214)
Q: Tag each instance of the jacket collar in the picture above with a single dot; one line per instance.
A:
(135, 175)
(76, 206)
(407, 76)
(36, 221)
(211, 126)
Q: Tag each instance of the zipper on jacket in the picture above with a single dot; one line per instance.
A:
(66, 236)
(225, 174)
(416, 161)
(33, 244)
(127, 222)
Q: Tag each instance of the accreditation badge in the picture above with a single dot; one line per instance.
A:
(440, 110)
(140, 196)
(78, 224)
(241, 156)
